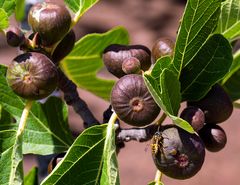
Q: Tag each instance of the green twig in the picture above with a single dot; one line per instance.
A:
(23, 120)
(158, 178)
(161, 120)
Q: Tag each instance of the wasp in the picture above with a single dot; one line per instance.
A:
(157, 143)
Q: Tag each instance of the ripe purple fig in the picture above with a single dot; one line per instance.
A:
(114, 55)
(32, 76)
(177, 153)
(216, 105)
(194, 116)
(132, 102)
(51, 21)
(213, 137)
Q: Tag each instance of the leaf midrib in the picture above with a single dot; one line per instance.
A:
(193, 80)
(85, 153)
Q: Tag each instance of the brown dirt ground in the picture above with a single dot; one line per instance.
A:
(147, 20)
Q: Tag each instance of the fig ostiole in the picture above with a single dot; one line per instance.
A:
(132, 101)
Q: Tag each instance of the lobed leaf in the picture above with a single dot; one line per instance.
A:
(229, 20)
(234, 67)
(3, 19)
(166, 94)
(8, 6)
(11, 158)
(80, 6)
(199, 21)
(85, 60)
(210, 65)
(32, 177)
(83, 161)
(110, 174)
(231, 86)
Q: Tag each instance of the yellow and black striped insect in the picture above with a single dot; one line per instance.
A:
(157, 143)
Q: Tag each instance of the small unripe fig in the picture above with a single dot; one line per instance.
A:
(14, 36)
(51, 21)
(32, 75)
(131, 66)
(132, 102)
(213, 137)
(114, 55)
(194, 116)
(64, 47)
(177, 153)
(216, 105)
(55, 160)
(162, 47)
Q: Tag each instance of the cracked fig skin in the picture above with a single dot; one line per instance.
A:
(32, 76)
(132, 102)
(180, 154)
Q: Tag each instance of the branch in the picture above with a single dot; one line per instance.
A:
(72, 98)
(137, 134)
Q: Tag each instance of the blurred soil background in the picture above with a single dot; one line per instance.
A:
(146, 21)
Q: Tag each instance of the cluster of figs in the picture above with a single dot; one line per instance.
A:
(34, 74)
(176, 152)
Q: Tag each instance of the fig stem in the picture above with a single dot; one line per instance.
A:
(161, 119)
(158, 178)
(23, 120)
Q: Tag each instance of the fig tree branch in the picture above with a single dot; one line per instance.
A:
(137, 134)
(72, 98)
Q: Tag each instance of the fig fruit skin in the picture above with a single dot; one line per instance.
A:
(114, 55)
(216, 105)
(54, 161)
(14, 36)
(51, 21)
(214, 137)
(180, 154)
(32, 76)
(64, 47)
(132, 102)
(194, 116)
(162, 47)
(131, 66)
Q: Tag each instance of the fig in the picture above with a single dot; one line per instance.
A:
(162, 47)
(51, 21)
(177, 153)
(32, 75)
(216, 105)
(131, 66)
(132, 102)
(64, 47)
(55, 160)
(194, 116)
(114, 55)
(213, 137)
(14, 36)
